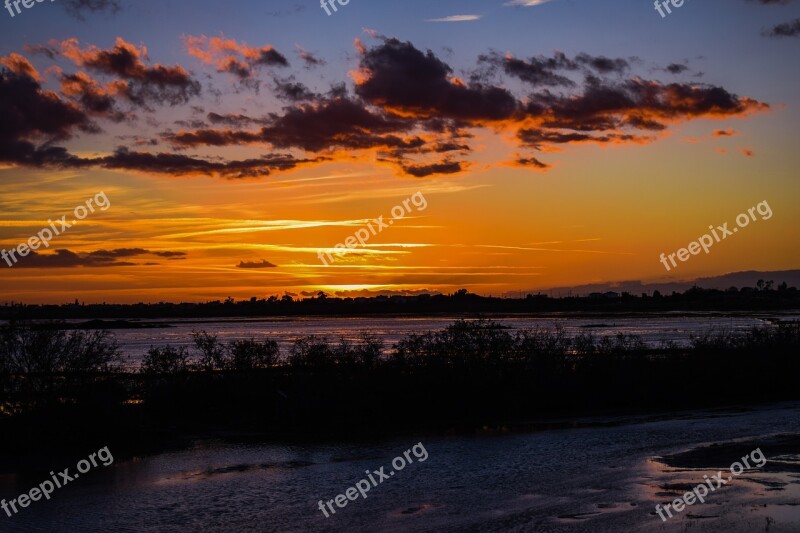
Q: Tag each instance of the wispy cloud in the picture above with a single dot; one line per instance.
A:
(456, 18)
(526, 3)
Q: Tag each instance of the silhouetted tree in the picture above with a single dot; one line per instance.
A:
(167, 360)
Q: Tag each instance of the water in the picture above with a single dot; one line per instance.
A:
(653, 329)
(594, 479)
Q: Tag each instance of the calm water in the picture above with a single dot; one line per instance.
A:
(596, 479)
(135, 342)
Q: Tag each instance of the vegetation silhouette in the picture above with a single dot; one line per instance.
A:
(71, 385)
(762, 297)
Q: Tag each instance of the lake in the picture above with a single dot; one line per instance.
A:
(677, 327)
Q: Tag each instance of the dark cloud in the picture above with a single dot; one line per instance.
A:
(138, 140)
(180, 165)
(292, 91)
(444, 167)
(388, 109)
(93, 98)
(309, 59)
(397, 75)
(323, 125)
(544, 71)
(98, 258)
(263, 264)
(196, 124)
(233, 57)
(32, 115)
(539, 71)
(133, 252)
(407, 108)
(172, 255)
(602, 64)
(530, 162)
(234, 120)
(41, 49)
(28, 112)
(640, 103)
(676, 68)
(297, 8)
(140, 83)
(77, 8)
(789, 29)
(537, 138)
(337, 122)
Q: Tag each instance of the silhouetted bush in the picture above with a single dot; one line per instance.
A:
(252, 354)
(41, 366)
(166, 361)
(239, 355)
(212, 352)
(311, 352)
(467, 374)
(28, 350)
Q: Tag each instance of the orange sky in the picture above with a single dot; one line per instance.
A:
(594, 203)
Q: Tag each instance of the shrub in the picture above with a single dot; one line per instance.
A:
(251, 354)
(212, 352)
(311, 351)
(44, 350)
(166, 360)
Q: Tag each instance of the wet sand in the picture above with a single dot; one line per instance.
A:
(602, 478)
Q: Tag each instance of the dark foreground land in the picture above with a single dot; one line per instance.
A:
(765, 296)
(472, 376)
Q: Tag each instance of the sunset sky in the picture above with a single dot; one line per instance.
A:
(556, 144)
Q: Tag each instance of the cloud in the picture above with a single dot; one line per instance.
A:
(322, 125)
(182, 165)
(639, 103)
(30, 112)
(537, 71)
(405, 107)
(456, 18)
(526, 3)
(789, 29)
(443, 167)
(231, 119)
(297, 8)
(233, 57)
(262, 264)
(100, 258)
(20, 66)
(730, 132)
(530, 162)
(308, 58)
(77, 8)
(94, 99)
(676, 68)
(404, 119)
(140, 83)
(290, 90)
(383, 80)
